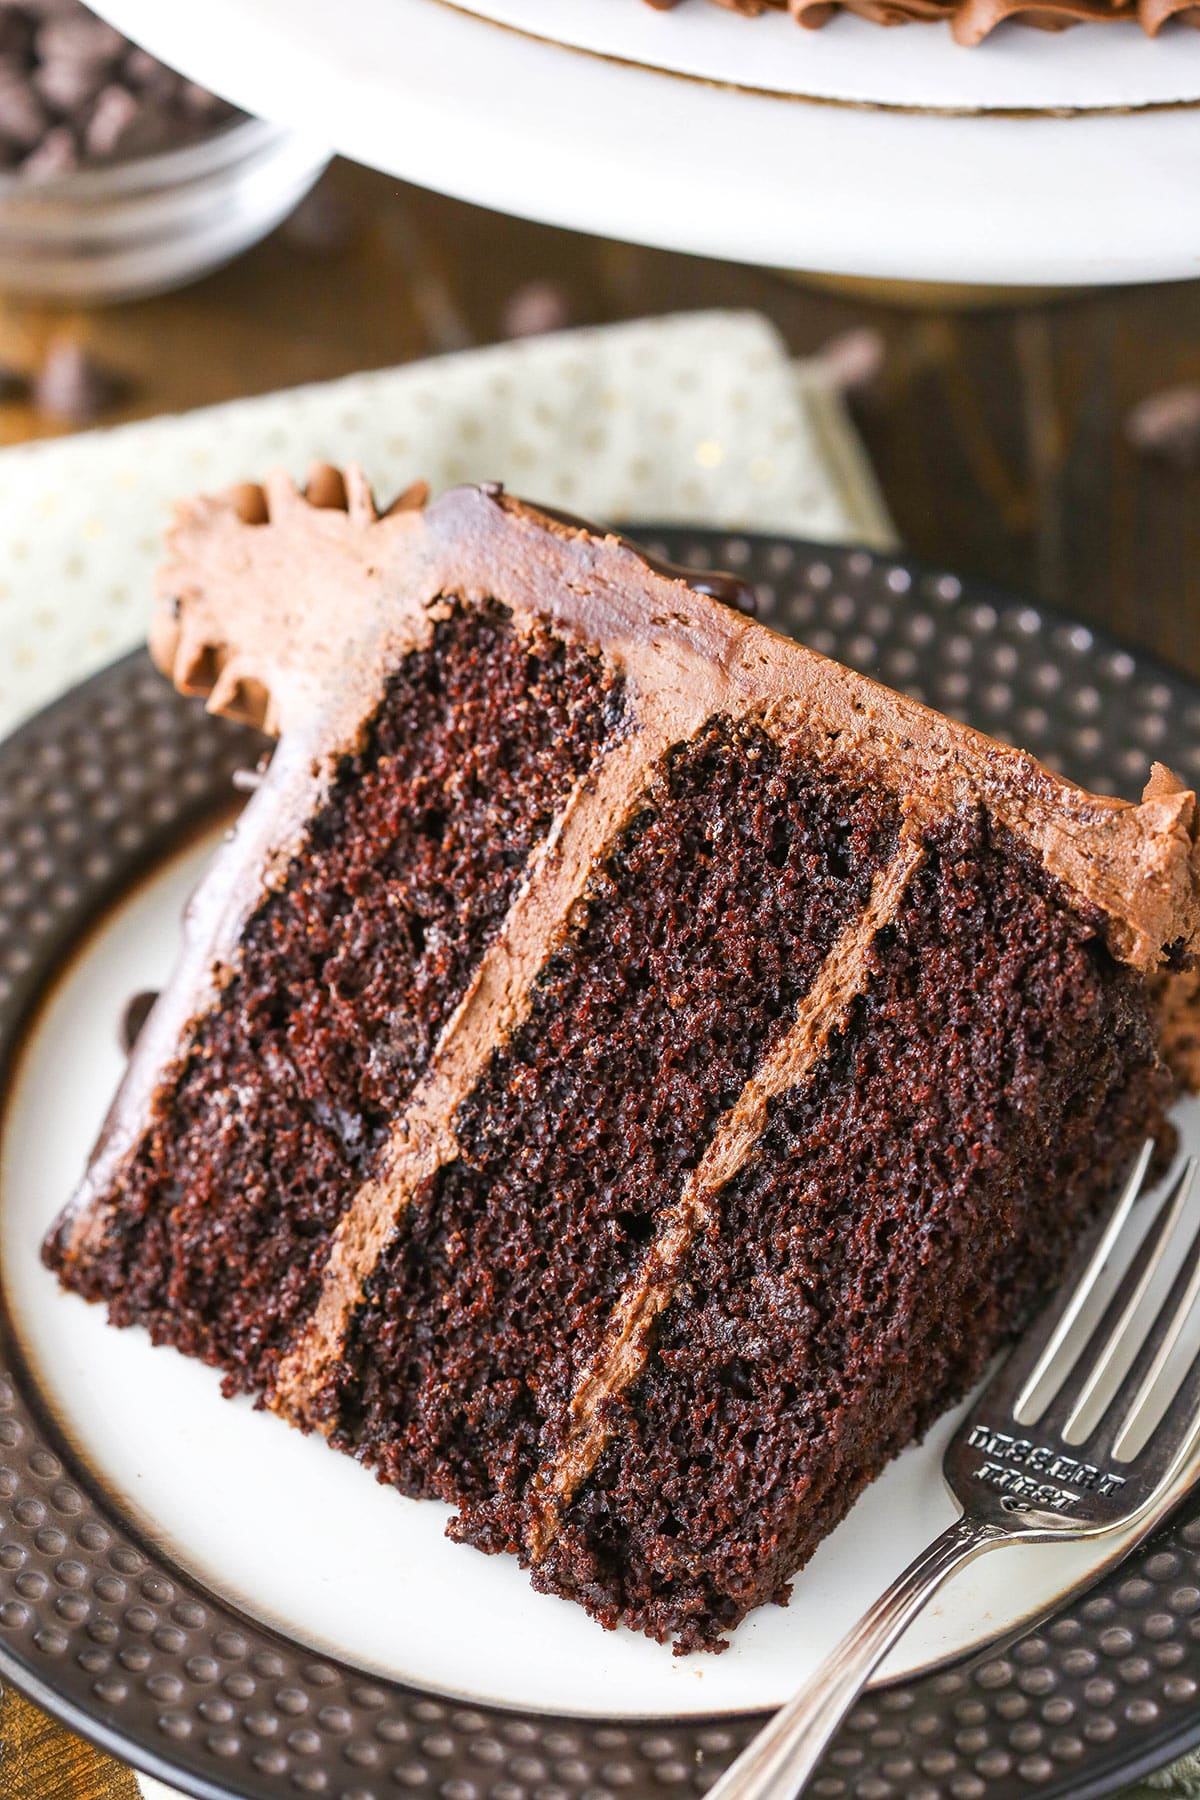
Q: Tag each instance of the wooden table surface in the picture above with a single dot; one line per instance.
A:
(999, 437)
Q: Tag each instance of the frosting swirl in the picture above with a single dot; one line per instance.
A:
(972, 20)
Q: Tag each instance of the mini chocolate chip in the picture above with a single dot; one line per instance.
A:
(536, 308)
(145, 73)
(80, 37)
(57, 154)
(67, 84)
(23, 119)
(114, 119)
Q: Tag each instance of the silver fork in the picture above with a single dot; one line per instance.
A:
(1066, 1479)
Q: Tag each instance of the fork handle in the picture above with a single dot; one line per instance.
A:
(778, 1762)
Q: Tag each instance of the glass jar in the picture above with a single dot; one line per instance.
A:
(127, 229)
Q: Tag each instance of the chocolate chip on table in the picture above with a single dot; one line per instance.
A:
(73, 386)
(14, 384)
(853, 360)
(535, 308)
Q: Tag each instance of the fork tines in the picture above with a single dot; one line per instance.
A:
(1067, 1380)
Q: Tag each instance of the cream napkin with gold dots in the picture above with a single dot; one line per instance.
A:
(700, 417)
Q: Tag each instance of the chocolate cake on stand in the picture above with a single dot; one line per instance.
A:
(900, 156)
(972, 20)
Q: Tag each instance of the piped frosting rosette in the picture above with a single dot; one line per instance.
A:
(972, 20)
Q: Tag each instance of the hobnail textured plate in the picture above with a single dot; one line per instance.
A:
(106, 1629)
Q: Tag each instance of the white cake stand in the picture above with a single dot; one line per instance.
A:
(898, 189)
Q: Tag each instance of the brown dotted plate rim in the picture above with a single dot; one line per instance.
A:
(102, 785)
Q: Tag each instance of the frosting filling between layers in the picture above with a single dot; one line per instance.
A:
(285, 1087)
(424, 1140)
(627, 1343)
(302, 614)
(708, 921)
(913, 1192)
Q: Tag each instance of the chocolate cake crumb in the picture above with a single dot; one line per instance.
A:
(282, 1094)
(628, 1074)
(892, 1230)
(708, 921)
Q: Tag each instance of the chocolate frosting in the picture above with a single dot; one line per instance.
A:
(292, 610)
(730, 590)
(287, 609)
(972, 20)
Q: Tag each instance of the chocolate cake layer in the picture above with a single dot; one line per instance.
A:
(903, 1212)
(345, 976)
(699, 935)
(625, 1072)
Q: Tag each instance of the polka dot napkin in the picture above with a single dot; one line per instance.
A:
(700, 417)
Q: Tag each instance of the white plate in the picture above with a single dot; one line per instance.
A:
(445, 99)
(297, 1534)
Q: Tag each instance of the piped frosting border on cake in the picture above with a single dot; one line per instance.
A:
(973, 20)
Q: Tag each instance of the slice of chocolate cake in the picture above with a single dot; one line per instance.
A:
(626, 1074)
